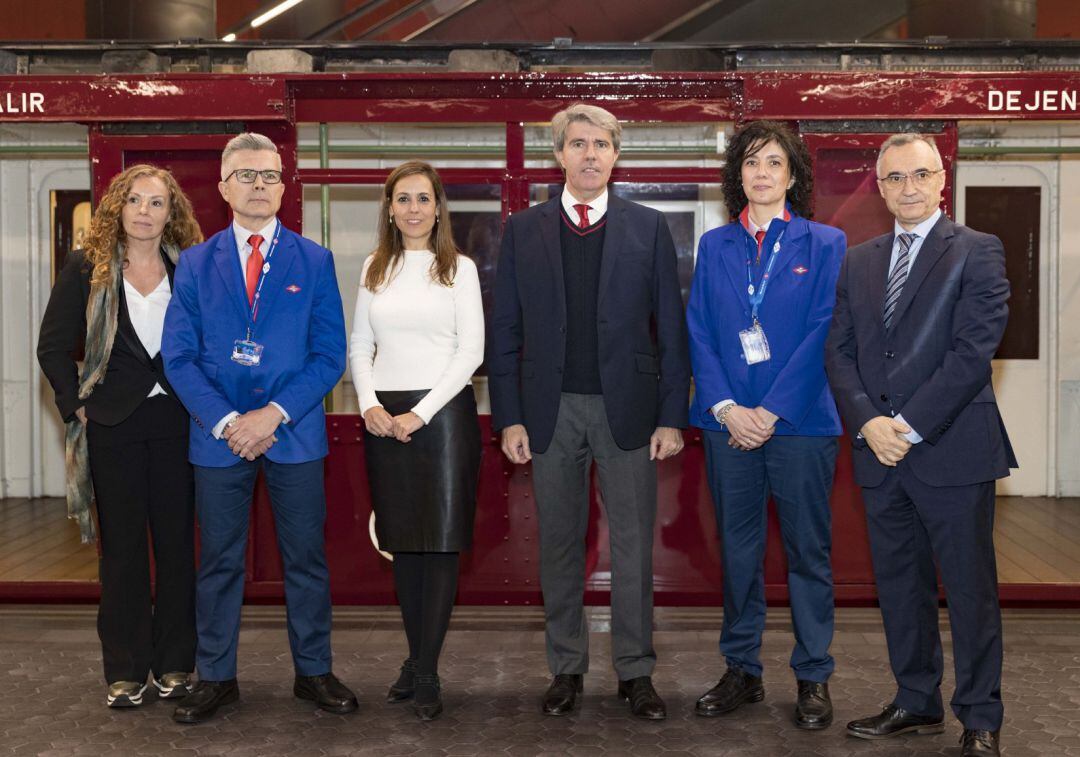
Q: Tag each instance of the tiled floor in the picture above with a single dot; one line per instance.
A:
(493, 673)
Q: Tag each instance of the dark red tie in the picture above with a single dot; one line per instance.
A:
(254, 266)
(759, 235)
(583, 215)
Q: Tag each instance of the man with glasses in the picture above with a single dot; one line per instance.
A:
(919, 315)
(254, 339)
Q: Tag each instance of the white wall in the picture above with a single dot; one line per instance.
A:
(1068, 285)
(31, 440)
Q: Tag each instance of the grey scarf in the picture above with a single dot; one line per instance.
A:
(102, 310)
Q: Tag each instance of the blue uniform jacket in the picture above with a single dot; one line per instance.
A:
(795, 316)
(300, 323)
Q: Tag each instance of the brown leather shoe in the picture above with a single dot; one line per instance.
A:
(976, 743)
(644, 701)
(813, 709)
(735, 689)
(894, 721)
(561, 696)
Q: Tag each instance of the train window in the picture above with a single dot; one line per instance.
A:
(70, 224)
(846, 194)
(690, 209)
(1012, 214)
(645, 144)
(380, 145)
(353, 216)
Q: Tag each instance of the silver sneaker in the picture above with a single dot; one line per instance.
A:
(173, 685)
(125, 694)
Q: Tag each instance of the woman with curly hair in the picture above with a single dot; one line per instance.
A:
(127, 433)
(417, 338)
(760, 306)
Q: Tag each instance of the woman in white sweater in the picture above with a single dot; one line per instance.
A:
(417, 338)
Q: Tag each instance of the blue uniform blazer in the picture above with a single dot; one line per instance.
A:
(795, 316)
(300, 323)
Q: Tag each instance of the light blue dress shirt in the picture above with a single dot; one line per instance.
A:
(920, 233)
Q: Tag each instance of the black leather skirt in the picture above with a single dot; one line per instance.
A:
(424, 491)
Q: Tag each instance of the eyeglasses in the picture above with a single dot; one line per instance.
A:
(248, 176)
(918, 178)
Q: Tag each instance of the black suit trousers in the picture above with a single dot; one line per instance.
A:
(912, 525)
(142, 478)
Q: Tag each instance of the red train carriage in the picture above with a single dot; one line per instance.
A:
(489, 143)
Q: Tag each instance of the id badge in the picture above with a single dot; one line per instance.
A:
(755, 345)
(247, 352)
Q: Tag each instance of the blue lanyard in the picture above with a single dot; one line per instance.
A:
(757, 294)
(262, 278)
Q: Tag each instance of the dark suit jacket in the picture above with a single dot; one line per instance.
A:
(933, 365)
(644, 358)
(131, 373)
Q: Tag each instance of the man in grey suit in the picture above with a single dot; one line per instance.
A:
(588, 360)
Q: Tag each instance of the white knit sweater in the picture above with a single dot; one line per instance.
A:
(415, 333)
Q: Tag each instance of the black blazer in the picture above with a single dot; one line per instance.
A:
(933, 365)
(644, 356)
(131, 373)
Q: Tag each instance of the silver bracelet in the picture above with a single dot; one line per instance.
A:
(721, 417)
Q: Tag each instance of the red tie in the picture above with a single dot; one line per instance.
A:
(254, 266)
(583, 215)
(759, 235)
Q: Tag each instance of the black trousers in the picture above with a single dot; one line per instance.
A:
(142, 478)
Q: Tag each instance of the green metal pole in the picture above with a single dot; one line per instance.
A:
(324, 199)
(324, 214)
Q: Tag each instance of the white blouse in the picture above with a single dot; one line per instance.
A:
(415, 333)
(148, 317)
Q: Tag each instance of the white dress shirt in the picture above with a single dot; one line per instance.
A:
(597, 206)
(243, 249)
(920, 233)
(148, 317)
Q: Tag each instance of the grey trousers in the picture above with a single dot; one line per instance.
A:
(628, 493)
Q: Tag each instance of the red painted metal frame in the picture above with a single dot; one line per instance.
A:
(523, 97)
(501, 569)
(157, 97)
(270, 592)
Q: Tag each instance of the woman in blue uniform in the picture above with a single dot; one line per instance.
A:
(759, 311)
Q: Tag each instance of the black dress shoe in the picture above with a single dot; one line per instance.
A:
(980, 743)
(402, 688)
(813, 710)
(203, 701)
(561, 696)
(644, 701)
(735, 689)
(427, 701)
(327, 692)
(894, 721)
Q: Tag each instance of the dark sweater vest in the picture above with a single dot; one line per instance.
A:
(581, 253)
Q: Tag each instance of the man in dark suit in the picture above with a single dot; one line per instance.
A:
(919, 315)
(589, 361)
(254, 340)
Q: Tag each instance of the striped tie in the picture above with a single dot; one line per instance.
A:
(897, 277)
